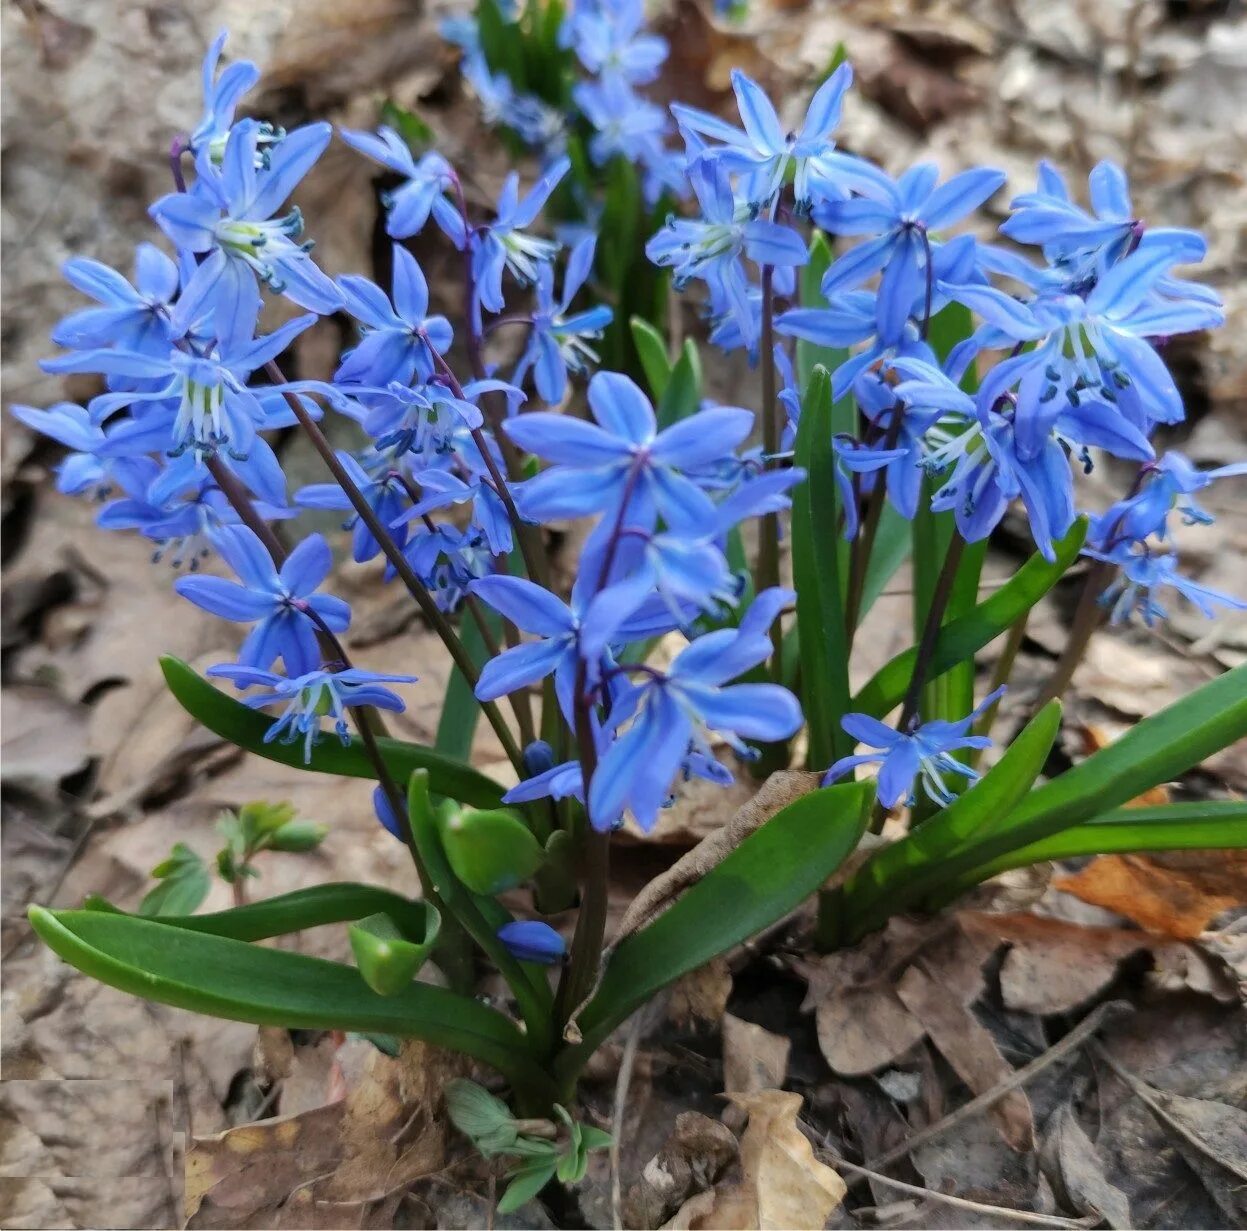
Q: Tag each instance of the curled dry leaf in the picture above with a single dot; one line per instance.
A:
(700, 997)
(1176, 894)
(782, 1184)
(690, 1162)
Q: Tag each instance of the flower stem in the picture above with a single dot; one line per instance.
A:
(931, 630)
(1088, 616)
(393, 553)
(768, 541)
(586, 950)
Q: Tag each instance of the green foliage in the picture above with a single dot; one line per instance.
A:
(184, 883)
(817, 565)
(387, 959)
(237, 724)
(489, 851)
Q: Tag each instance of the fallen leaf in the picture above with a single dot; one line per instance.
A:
(782, 1184)
(863, 1030)
(1075, 1170)
(968, 1046)
(700, 997)
(690, 1162)
(753, 1057)
(1176, 895)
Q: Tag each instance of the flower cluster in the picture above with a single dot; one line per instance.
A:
(1063, 361)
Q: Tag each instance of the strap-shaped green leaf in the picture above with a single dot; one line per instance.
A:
(964, 637)
(274, 987)
(340, 902)
(682, 395)
(456, 725)
(1204, 825)
(770, 873)
(900, 875)
(651, 349)
(233, 721)
(816, 550)
(1156, 750)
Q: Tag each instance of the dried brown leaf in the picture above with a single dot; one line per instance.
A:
(754, 1058)
(1073, 1167)
(1174, 896)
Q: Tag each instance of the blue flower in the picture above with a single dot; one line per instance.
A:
(622, 459)
(669, 710)
(228, 216)
(505, 243)
(571, 635)
(67, 423)
(385, 813)
(900, 218)
(529, 940)
(764, 151)
(408, 207)
(609, 38)
(221, 98)
(559, 340)
(399, 341)
(282, 603)
(1142, 574)
(625, 123)
(201, 401)
(924, 752)
(131, 318)
(310, 696)
(710, 247)
(1167, 485)
(383, 490)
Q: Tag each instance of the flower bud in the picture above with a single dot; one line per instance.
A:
(489, 851)
(529, 940)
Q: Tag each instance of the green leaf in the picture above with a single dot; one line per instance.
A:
(891, 548)
(651, 349)
(1156, 750)
(1199, 826)
(816, 548)
(490, 851)
(408, 125)
(477, 915)
(810, 354)
(901, 874)
(482, 1116)
(294, 912)
(184, 883)
(456, 725)
(682, 396)
(528, 1182)
(274, 987)
(770, 873)
(388, 960)
(963, 638)
(233, 721)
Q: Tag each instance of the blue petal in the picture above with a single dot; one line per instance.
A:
(525, 604)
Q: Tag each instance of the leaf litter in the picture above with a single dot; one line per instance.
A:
(898, 1034)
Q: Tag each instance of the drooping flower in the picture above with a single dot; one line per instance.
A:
(309, 697)
(609, 38)
(681, 706)
(399, 340)
(130, 317)
(199, 402)
(228, 217)
(921, 753)
(409, 206)
(559, 341)
(1144, 572)
(505, 242)
(281, 603)
(382, 488)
